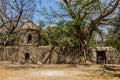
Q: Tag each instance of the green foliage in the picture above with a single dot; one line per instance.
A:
(93, 42)
(77, 20)
(113, 37)
(57, 36)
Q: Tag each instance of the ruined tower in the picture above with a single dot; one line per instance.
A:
(29, 34)
(28, 43)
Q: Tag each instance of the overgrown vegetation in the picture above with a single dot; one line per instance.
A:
(85, 18)
(76, 23)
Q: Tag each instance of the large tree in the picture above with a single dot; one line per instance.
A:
(86, 17)
(12, 13)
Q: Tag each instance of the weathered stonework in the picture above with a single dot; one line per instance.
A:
(29, 51)
(58, 55)
(9, 53)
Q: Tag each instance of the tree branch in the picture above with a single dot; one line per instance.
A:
(108, 12)
(83, 6)
(70, 9)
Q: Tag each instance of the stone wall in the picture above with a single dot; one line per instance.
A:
(25, 37)
(1, 52)
(112, 55)
(49, 54)
(9, 53)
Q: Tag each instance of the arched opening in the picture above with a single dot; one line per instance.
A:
(27, 56)
(29, 39)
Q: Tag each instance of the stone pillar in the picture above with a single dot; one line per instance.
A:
(94, 55)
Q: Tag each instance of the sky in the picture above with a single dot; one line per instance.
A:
(46, 4)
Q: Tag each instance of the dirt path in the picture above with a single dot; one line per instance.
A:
(56, 72)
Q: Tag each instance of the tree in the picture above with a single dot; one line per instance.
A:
(86, 16)
(57, 36)
(13, 13)
(113, 37)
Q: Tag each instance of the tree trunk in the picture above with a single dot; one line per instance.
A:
(49, 56)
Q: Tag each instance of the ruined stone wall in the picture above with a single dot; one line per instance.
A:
(1, 52)
(36, 53)
(9, 53)
(112, 55)
(42, 54)
(49, 54)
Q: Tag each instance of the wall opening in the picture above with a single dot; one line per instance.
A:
(29, 39)
(43, 56)
(101, 57)
(27, 56)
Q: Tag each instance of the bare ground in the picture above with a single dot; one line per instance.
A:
(56, 72)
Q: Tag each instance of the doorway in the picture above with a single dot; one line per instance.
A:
(27, 56)
(101, 57)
